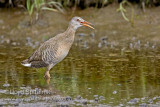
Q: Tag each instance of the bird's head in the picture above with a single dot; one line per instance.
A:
(77, 22)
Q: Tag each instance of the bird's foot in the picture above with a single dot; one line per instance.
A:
(47, 75)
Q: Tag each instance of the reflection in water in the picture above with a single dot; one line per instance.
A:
(118, 79)
(47, 80)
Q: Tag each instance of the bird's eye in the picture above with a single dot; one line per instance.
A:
(77, 19)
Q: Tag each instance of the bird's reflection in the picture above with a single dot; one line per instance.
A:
(51, 87)
(47, 80)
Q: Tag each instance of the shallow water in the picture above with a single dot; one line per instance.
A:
(119, 66)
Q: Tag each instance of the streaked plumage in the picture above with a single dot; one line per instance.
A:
(55, 49)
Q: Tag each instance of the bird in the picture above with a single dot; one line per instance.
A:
(56, 48)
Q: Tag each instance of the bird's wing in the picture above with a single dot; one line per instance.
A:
(46, 52)
(49, 54)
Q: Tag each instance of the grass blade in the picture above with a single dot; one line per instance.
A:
(50, 9)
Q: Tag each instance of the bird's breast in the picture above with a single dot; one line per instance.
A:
(62, 52)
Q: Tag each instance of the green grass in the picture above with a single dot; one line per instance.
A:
(35, 6)
(124, 11)
(30, 8)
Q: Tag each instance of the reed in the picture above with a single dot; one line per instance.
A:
(124, 11)
(30, 8)
(36, 6)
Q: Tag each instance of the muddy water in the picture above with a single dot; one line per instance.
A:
(115, 65)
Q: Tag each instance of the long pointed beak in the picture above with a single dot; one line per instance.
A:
(85, 23)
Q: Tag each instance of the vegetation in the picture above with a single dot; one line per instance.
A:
(123, 11)
(80, 3)
(37, 5)
(30, 8)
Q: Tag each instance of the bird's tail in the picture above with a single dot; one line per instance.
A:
(26, 63)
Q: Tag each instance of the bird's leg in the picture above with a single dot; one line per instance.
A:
(47, 74)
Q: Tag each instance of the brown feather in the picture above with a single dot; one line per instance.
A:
(53, 50)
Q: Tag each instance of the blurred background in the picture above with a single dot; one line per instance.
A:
(117, 64)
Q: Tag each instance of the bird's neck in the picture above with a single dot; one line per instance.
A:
(68, 37)
(70, 30)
